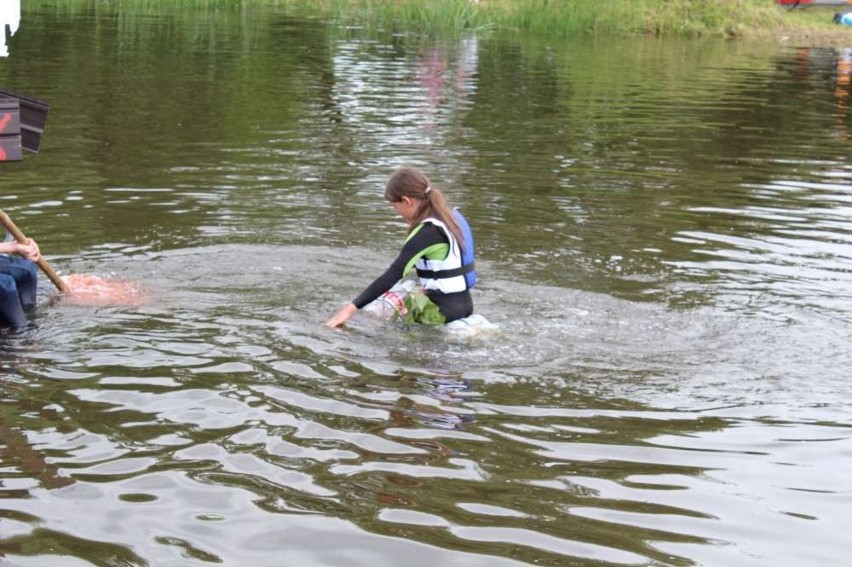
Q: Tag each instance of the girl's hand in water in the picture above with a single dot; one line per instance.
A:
(342, 316)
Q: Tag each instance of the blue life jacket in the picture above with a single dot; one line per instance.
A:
(467, 249)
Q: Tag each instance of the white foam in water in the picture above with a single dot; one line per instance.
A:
(470, 326)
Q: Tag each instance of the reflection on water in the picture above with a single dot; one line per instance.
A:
(663, 240)
(842, 90)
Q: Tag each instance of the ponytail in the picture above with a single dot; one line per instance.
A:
(435, 205)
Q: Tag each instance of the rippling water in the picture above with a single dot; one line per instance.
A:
(663, 240)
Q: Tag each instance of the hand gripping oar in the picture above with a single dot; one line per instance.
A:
(42, 263)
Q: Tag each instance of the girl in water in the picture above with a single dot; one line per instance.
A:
(439, 246)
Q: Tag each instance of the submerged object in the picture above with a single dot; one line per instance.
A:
(391, 304)
(470, 326)
(88, 289)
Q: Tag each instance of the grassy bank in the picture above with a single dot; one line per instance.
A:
(685, 18)
(572, 17)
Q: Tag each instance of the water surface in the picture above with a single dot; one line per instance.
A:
(663, 238)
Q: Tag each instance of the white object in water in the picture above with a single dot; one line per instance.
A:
(469, 326)
(10, 15)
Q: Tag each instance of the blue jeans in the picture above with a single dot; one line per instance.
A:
(18, 279)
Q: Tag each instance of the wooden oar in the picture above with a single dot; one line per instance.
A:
(42, 263)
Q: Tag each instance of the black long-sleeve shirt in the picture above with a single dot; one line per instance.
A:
(451, 305)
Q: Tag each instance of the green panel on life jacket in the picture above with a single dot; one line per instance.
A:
(435, 252)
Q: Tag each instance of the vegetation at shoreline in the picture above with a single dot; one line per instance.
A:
(651, 17)
(682, 18)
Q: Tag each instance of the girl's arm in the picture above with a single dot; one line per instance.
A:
(415, 247)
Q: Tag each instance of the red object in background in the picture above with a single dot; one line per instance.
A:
(10, 148)
(794, 3)
(29, 116)
(10, 129)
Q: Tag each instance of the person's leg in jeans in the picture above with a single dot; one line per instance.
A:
(11, 311)
(25, 275)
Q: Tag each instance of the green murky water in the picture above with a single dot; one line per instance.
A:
(664, 239)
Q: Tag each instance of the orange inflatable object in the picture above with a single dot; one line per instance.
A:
(85, 289)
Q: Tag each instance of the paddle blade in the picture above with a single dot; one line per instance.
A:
(85, 289)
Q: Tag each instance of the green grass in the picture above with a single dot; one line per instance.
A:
(573, 17)
(684, 18)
